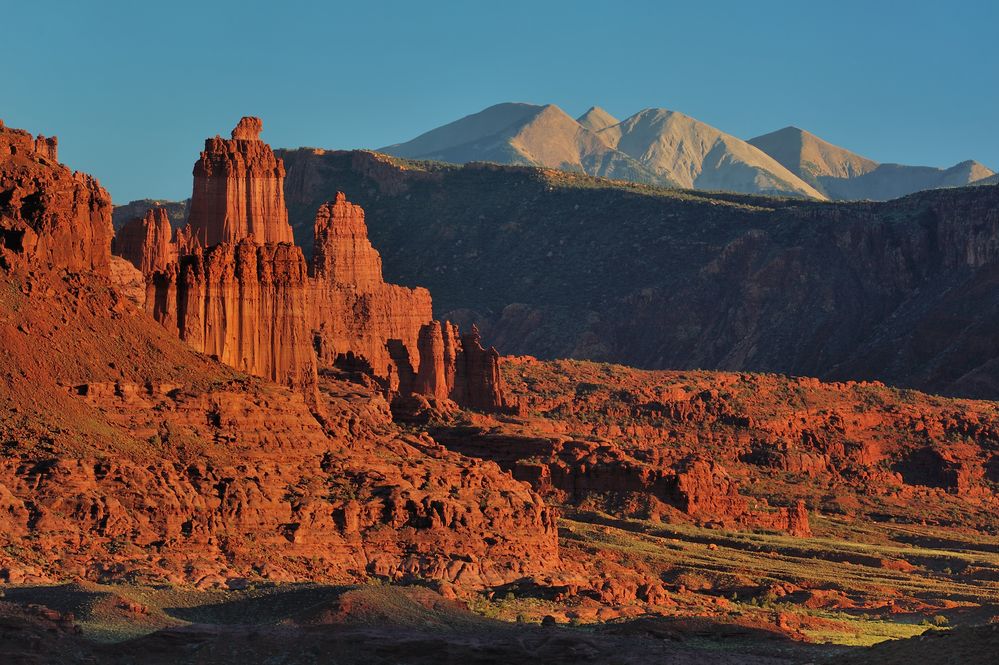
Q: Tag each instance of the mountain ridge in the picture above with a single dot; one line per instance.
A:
(668, 148)
(700, 156)
(546, 136)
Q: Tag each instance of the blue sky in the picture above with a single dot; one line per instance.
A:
(132, 89)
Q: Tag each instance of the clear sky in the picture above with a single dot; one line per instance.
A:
(132, 89)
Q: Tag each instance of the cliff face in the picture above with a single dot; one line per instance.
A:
(239, 190)
(476, 377)
(245, 304)
(260, 311)
(360, 318)
(554, 265)
(47, 212)
(342, 253)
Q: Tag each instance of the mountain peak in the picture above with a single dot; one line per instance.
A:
(810, 157)
(596, 119)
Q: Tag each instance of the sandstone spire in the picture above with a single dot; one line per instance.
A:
(240, 290)
(239, 190)
(147, 242)
(342, 252)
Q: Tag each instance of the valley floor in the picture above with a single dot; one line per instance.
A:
(735, 597)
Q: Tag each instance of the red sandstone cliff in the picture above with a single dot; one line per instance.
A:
(361, 320)
(47, 212)
(245, 304)
(342, 253)
(239, 190)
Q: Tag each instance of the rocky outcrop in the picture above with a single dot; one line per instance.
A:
(360, 318)
(620, 478)
(47, 147)
(128, 456)
(726, 444)
(703, 488)
(299, 504)
(49, 214)
(477, 382)
(239, 190)
(129, 281)
(342, 254)
(147, 242)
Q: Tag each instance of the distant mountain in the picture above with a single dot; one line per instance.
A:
(890, 181)
(525, 134)
(991, 180)
(654, 146)
(844, 175)
(667, 148)
(698, 156)
(596, 119)
(809, 157)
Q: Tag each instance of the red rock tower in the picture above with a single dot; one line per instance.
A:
(147, 242)
(233, 285)
(239, 190)
(343, 254)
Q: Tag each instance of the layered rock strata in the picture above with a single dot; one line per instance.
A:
(147, 242)
(243, 303)
(357, 317)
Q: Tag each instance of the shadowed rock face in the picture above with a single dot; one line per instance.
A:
(560, 265)
(47, 212)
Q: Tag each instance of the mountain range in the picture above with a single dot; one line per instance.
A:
(667, 148)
